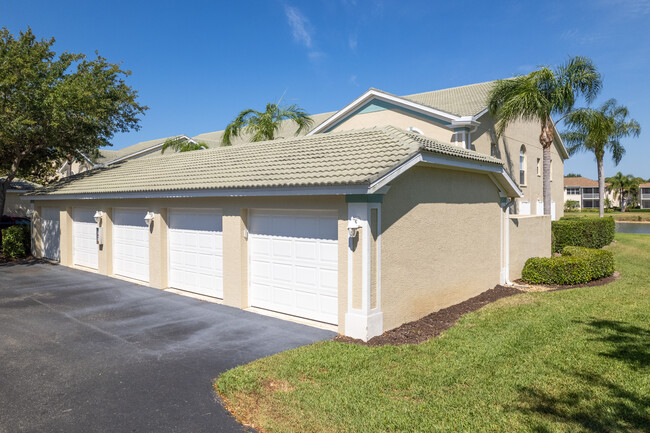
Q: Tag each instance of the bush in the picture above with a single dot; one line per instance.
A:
(577, 265)
(16, 241)
(582, 232)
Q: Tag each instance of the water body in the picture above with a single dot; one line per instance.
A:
(633, 228)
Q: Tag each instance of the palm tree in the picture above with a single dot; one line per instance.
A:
(599, 131)
(619, 184)
(182, 144)
(634, 191)
(264, 125)
(539, 95)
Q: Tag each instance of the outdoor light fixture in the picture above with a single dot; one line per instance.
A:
(353, 227)
(98, 216)
(148, 218)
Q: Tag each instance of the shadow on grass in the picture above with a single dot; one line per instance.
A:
(594, 403)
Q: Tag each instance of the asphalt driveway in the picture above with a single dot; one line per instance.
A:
(80, 352)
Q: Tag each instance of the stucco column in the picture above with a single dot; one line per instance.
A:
(65, 221)
(105, 253)
(364, 318)
(158, 271)
(235, 257)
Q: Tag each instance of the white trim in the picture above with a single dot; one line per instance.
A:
(377, 94)
(366, 322)
(225, 192)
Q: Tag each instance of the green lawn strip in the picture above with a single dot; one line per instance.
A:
(637, 215)
(574, 360)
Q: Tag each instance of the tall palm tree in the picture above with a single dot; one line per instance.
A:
(264, 125)
(539, 95)
(182, 144)
(599, 131)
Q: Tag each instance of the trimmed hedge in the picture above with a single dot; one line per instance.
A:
(16, 241)
(582, 232)
(577, 265)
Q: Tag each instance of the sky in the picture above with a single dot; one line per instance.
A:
(197, 64)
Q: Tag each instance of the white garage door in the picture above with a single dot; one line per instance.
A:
(50, 233)
(131, 244)
(84, 248)
(195, 251)
(293, 263)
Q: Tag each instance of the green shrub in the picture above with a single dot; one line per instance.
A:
(16, 241)
(577, 265)
(582, 232)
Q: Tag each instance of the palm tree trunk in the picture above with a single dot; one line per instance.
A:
(546, 181)
(4, 186)
(601, 188)
(546, 140)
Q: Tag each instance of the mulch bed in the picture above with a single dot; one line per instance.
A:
(553, 287)
(435, 323)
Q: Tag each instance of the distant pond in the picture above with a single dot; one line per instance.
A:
(633, 228)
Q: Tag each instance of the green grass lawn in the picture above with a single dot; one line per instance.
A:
(569, 361)
(633, 215)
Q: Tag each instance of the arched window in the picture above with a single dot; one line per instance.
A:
(416, 130)
(522, 165)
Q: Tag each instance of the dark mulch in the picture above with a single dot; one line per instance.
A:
(435, 323)
(553, 287)
(25, 260)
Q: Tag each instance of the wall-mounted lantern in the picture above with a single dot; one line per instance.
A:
(353, 227)
(148, 218)
(98, 216)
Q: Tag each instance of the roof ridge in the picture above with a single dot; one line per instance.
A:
(454, 87)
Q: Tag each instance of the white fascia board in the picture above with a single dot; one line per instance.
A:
(375, 94)
(230, 192)
(445, 161)
(562, 146)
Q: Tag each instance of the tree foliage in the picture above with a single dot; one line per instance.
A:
(539, 95)
(265, 125)
(183, 144)
(54, 106)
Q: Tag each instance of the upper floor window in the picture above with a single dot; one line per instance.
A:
(573, 190)
(539, 167)
(522, 165)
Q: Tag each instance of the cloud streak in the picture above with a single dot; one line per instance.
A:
(299, 26)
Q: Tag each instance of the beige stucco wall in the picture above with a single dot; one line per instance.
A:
(440, 242)
(16, 207)
(518, 133)
(398, 119)
(235, 213)
(530, 236)
(509, 144)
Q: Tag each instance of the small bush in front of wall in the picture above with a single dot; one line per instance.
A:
(582, 232)
(577, 265)
(16, 241)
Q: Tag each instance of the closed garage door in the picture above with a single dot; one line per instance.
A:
(50, 233)
(195, 251)
(293, 263)
(84, 248)
(131, 244)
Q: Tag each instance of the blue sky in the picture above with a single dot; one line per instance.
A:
(198, 63)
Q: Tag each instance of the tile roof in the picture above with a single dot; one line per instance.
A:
(645, 185)
(22, 184)
(580, 181)
(354, 157)
(462, 101)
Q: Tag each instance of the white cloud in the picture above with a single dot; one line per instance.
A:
(353, 42)
(353, 80)
(299, 25)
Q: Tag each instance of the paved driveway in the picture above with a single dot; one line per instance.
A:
(81, 352)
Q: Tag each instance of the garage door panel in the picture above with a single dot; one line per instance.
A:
(131, 244)
(84, 242)
(196, 251)
(302, 261)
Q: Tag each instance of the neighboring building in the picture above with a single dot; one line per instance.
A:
(14, 206)
(389, 209)
(585, 191)
(644, 200)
